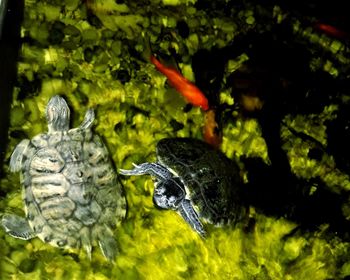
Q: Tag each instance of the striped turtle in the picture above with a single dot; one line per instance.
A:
(71, 192)
(196, 180)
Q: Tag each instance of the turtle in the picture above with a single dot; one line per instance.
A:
(72, 195)
(196, 180)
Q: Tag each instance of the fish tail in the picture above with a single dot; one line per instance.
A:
(156, 62)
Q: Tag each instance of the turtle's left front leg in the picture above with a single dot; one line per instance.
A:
(153, 169)
(190, 215)
(17, 227)
(88, 119)
(17, 155)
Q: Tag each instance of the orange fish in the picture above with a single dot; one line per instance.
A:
(187, 89)
(211, 132)
(331, 30)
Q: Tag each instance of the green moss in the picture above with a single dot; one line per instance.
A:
(116, 48)
(7, 268)
(40, 33)
(51, 12)
(129, 24)
(177, 2)
(250, 20)
(71, 4)
(90, 35)
(345, 270)
(18, 256)
(136, 110)
(17, 116)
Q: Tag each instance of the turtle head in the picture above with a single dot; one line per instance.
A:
(169, 193)
(57, 114)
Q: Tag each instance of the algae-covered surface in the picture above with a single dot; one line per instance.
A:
(94, 53)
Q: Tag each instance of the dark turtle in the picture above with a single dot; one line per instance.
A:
(197, 181)
(70, 189)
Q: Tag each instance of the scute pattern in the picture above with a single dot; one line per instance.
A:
(212, 180)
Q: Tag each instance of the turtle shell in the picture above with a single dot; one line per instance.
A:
(211, 179)
(71, 192)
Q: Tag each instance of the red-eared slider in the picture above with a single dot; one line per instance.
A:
(71, 192)
(197, 181)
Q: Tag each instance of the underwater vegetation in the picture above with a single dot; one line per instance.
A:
(277, 87)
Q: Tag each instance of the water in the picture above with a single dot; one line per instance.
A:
(92, 53)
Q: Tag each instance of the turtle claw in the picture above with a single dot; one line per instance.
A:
(188, 213)
(130, 172)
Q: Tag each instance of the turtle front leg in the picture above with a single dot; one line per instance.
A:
(153, 169)
(88, 119)
(17, 227)
(17, 155)
(188, 213)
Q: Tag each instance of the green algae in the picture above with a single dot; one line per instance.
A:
(132, 117)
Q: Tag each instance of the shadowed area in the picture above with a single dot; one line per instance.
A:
(9, 50)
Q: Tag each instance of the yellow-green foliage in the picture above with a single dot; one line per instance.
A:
(154, 244)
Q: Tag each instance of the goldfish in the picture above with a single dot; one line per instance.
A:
(211, 132)
(331, 30)
(186, 88)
